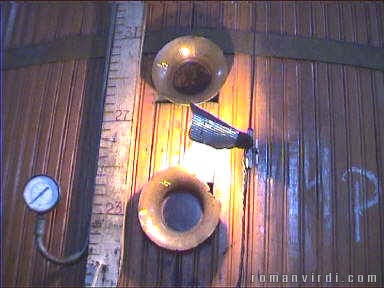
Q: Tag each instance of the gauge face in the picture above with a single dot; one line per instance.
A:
(41, 193)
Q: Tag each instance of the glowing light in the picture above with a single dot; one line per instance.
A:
(143, 212)
(202, 161)
(185, 51)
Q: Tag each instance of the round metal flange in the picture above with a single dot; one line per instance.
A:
(189, 69)
(151, 204)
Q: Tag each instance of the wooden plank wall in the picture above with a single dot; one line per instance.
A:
(315, 201)
(52, 115)
(316, 204)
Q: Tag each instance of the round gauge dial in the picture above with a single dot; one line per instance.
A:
(41, 193)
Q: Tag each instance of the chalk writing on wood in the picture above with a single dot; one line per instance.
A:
(360, 206)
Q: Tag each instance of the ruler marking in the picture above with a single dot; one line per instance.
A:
(110, 166)
(111, 185)
(108, 214)
(118, 77)
(107, 139)
(114, 121)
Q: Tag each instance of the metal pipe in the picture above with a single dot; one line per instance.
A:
(39, 240)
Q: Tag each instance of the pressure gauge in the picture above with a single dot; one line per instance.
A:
(41, 193)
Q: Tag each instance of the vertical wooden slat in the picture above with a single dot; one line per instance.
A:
(291, 131)
(339, 150)
(353, 145)
(378, 109)
(185, 15)
(162, 158)
(13, 38)
(234, 98)
(314, 122)
(75, 207)
(11, 110)
(308, 175)
(155, 12)
(375, 18)
(167, 146)
(274, 189)
(89, 144)
(370, 183)
(208, 256)
(55, 232)
(324, 165)
(256, 233)
(142, 156)
(292, 125)
(137, 268)
(46, 116)
(274, 176)
(48, 24)
(28, 227)
(14, 203)
(24, 166)
(51, 99)
(89, 20)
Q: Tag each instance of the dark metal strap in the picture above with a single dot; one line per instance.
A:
(321, 50)
(273, 45)
(74, 47)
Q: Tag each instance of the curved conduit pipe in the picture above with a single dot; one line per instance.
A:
(39, 240)
(41, 194)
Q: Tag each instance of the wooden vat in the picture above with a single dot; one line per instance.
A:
(52, 114)
(314, 203)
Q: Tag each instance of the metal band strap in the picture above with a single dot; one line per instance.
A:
(273, 45)
(74, 47)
